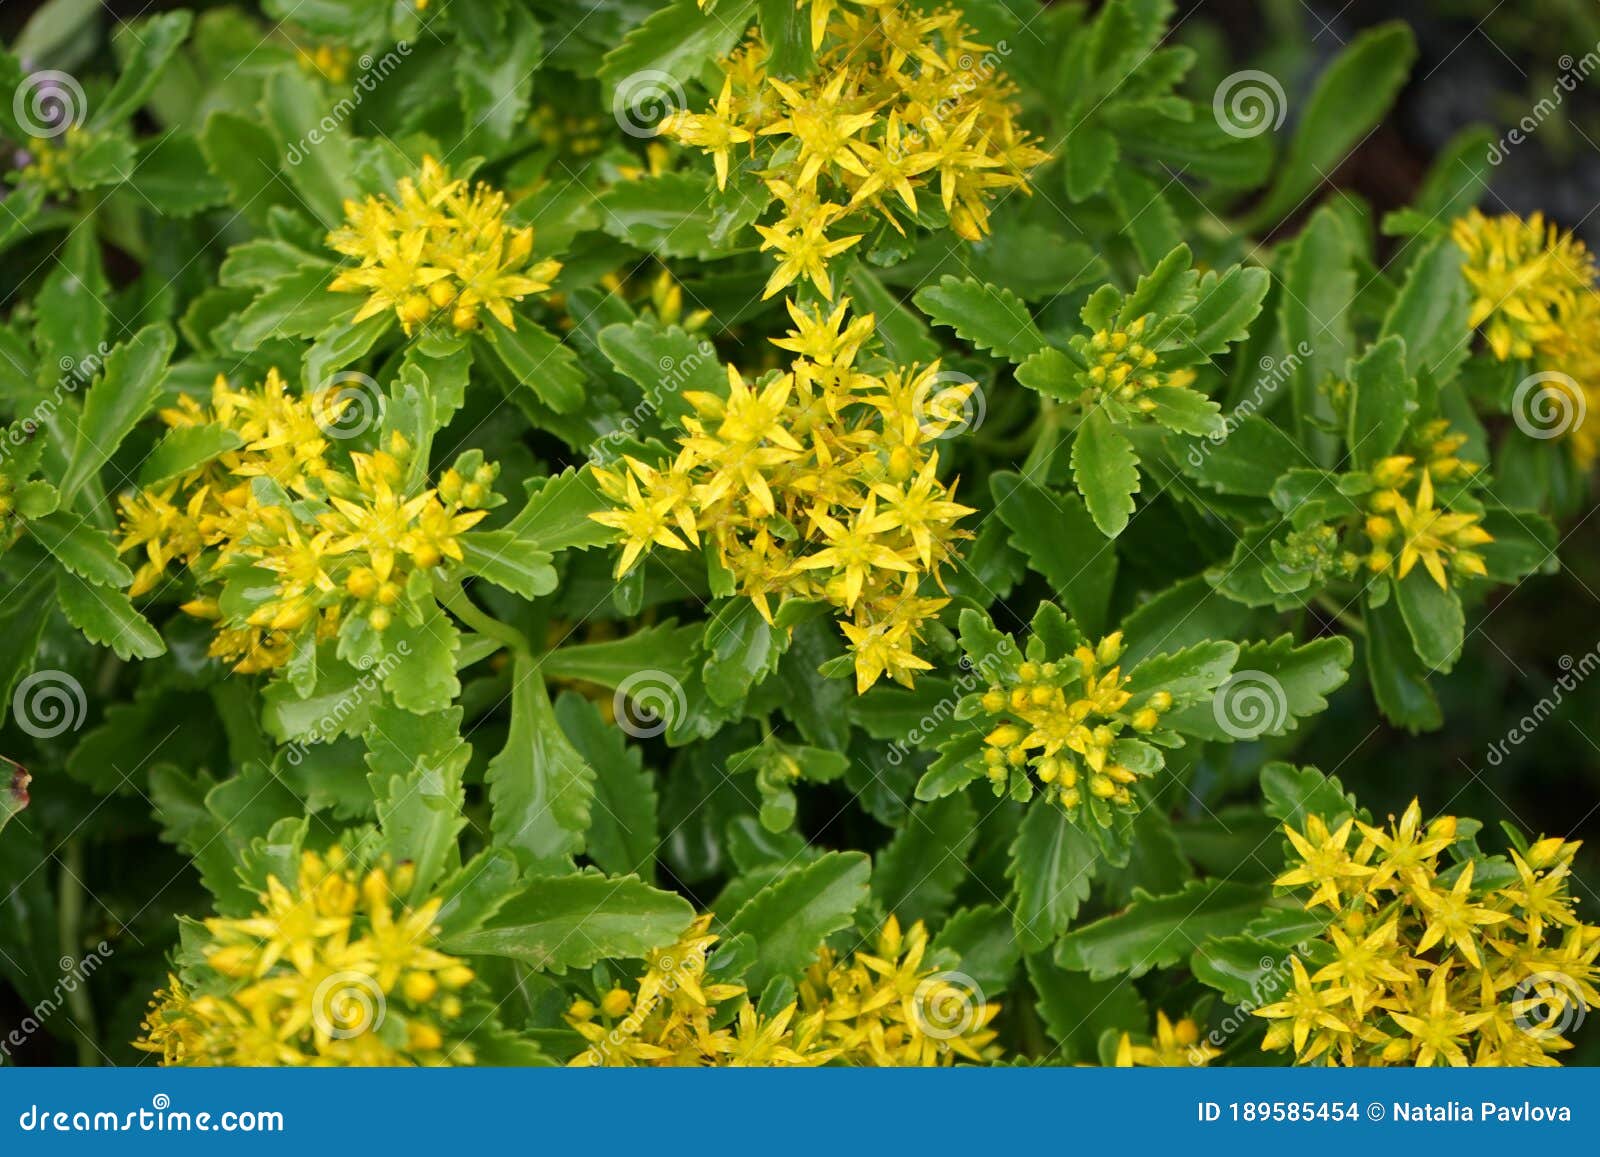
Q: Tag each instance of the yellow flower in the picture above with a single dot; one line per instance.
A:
(820, 483)
(1062, 719)
(899, 98)
(1525, 276)
(436, 246)
(889, 1008)
(347, 543)
(312, 977)
(1423, 965)
(1176, 1046)
(1439, 538)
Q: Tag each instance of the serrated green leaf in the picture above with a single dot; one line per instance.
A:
(1431, 312)
(561, 922)
(1061, 542)
(106, 616)
(1434, 618)
(1052, 865)
(1382, 397)
(916, 876)
(540, 788)
(121, 396)
(622, 829)
(82, 548)
(1159, 931)
(987, 316)
(790, 917)
(1106, 471)
(186, 448)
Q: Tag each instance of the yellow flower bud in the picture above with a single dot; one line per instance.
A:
(419, 987)
(616, 1002)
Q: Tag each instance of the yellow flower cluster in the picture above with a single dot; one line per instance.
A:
(348, 540)
(1405, 530)
(1175, 1046)
(901, 102)
(668, 1020)
(332, 970)
(438, 245)
(889, 1008)
(1420, 965)
(1123, 367)
(820, 484)
(329, 60)
(1534, 298)
(1064, 720)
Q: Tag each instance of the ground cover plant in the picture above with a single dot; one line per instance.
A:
(757, 532)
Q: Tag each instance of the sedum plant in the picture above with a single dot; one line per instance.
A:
(760, 532)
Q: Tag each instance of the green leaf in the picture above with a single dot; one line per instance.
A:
(422, 673)
(14, 793)
(539, 361)
(677, 40)
(622, 830)
(669, 214)
(114, 404)
(1225, 306)
(106, 616)
(1147, 217)
(1247, 971)
(562, 922)
(665, 363)
(1319, 290)
(1350, 97)
(1078, 1010)
(1105, 468)
(1061, 542)
(984, 947)
(1272, 686)
(82, 548)
(508, 560)
(23, 616)
(416, 766)
(1434, 618)
(1430, 313)
(320, 163)
(1165, 291)
(186, 448)
(916, 876)
(1052, 866)
(1184, 410)
(1159, 931)
(1292, 794)
(1248, 460)
(1088, 157)
(1399, 679)
(540, 788)
(987, 316)
(664, 648)
(556, 517)
(1382, 396)
(170, 173)
(154, 41)
(241, 153)
(790, 918)
(741, 649)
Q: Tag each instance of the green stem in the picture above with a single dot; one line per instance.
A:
(69, 939)
(1352, 624)
(463, 608)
